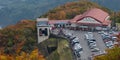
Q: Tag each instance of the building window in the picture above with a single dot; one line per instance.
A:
(43, 32)
(40, 32)
(46, 32)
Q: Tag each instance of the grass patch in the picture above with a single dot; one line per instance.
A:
(62, 52)
(53, 56)
(118, 25)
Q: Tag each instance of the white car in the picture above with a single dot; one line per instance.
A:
(77, 47)
(99, 32)
(86, 36)
(95, 49)
(114, 38)
(90, 35)
(70, 34)
(92, 45)
(74, 41)
(91, 41)
(109, 44)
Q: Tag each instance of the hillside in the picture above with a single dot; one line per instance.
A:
(70, 10)
(18, 42)
(22, 35)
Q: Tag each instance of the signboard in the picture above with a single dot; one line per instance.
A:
(89, 20)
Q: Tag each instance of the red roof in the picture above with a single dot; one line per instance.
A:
(75, 18)
(95, 13)
(58, 21)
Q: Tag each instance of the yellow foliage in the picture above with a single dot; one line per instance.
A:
(23, 56)
(2, 57)
(112, 54)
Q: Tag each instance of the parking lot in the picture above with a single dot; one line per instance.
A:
(86, 50)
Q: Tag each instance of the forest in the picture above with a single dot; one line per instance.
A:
(19, 42)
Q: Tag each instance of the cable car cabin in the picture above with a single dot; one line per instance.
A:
(42, 29)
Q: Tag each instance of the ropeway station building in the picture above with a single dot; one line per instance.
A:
(93, 19)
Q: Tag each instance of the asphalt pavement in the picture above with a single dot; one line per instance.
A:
(86, 50)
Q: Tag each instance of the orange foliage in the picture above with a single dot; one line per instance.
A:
(23, 56)
(118, 40)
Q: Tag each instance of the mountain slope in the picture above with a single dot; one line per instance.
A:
(70, 10)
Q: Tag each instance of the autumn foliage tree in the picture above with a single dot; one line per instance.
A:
(23, 56)
(71, 9)
(19, 42)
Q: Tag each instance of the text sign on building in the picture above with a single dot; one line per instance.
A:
(89, 20)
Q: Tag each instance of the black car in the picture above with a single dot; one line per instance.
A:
(71, 38)
(77, 54)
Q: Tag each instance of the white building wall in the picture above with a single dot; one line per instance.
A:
(42, 26)
(42, 38)
(73, 25)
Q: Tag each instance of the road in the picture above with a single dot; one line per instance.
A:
(86, 50)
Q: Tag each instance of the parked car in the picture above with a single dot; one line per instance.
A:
(90, 41)
(77, 54)
(106, 39)
(74, 41)
(95, 49)
(68, 35)
(104, 36)
(77, 47)
(111, 32)
(92, 46)
(90, 33)
(72, 37)
(114, 38)
(86, 36)
(100, 32)
(109, 44)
